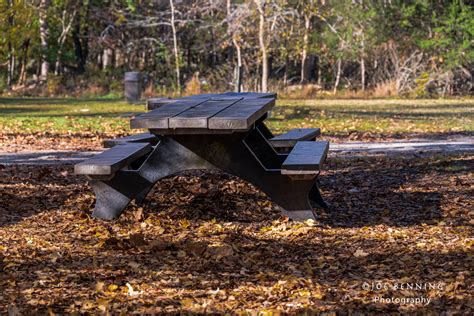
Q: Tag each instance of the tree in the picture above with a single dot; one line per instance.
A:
(260, 4)
(355, 44)
(11, 56)
(309, 9)
(16, 37)
(66, 19)
(44, 35)
(452, 35)
(235, 29)
(175, 45)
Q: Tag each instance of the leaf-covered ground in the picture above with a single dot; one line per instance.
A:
(76, 124)
(208, 242)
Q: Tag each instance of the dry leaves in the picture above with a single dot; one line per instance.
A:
(210, 243)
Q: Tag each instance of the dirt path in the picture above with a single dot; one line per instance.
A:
(414, 146)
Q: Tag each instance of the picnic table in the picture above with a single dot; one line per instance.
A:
(226, 132)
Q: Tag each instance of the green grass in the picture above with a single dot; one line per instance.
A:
(66, 115)
(335, 117)
(376, 116)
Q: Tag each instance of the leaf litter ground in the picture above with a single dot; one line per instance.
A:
(210, 243)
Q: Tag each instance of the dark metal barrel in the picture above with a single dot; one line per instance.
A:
(133, 86)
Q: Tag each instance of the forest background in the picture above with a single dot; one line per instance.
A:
(298, 48)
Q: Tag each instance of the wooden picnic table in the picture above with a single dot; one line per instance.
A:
(226, 132)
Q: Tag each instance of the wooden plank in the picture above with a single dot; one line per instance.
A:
(306, 155)
(244, 95)
(293, 136)
(190, 131)
(201, 96)
(198, 116)
(251, 94)
(159, 117)
(152, 104)
(137, 138)
(300, 174)
(241, 115)
(113, 159)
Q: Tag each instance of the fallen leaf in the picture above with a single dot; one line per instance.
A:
(360, 253)
(137, 240)
(220, 250)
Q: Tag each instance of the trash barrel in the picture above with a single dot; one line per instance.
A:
(133, 86)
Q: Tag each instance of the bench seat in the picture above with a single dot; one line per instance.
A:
(305, 159)
(137, 138)
(112, 160)
(290, 138)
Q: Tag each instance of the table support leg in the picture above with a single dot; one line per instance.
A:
(247, 155)
(316, 198)
(250, 157)
(140, 198)
(113, 196)
(167, 158)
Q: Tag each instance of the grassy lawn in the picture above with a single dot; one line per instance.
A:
(335, 117)
(65, 115)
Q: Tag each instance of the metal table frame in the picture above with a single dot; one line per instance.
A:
(247, 155)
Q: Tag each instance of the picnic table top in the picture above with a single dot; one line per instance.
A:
(207, 112)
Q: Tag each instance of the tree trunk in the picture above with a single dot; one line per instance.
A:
(118, 58)
(175, 46)
(238, 67)
(304, 52)
(62, 38)
(24, 62)
(238, 81)
(99, 62)
(320, 72)
(80, 35)
(10, 65)
(79, 51)
(213, 54)
(58, 61)
(44, 34)
(263, 46)
(11, 68)
(141, 60)
(338, 75)
(107, 58)
(362, 64)
(11, 60)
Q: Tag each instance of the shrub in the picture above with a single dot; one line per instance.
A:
(193, 86)
(420, 90)
(385, 90)
(53, 85)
